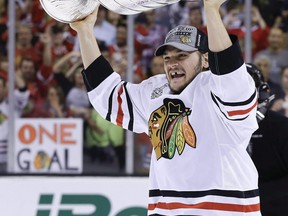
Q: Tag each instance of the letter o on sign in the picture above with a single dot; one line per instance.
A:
(27, 134)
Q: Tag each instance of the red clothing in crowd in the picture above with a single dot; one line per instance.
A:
(259, 37)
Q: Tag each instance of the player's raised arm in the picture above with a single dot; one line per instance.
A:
(218, 37)
(89, 47)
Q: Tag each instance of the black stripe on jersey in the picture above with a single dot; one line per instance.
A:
(198, 194)
(228, 60)
(110, 102)
(238, 119)
(242, 103)
(96, 73)
(130, 108)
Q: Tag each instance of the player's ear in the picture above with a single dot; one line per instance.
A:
(204, 60)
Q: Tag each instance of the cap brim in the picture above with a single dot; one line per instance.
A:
(160, 50)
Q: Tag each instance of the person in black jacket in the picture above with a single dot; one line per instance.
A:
(269, 152)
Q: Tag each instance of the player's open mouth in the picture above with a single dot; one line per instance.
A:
(177, 74)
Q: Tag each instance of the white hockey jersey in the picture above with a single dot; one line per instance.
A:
(21, 98)
(199, 165)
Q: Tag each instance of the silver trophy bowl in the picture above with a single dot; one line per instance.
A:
(68, 11)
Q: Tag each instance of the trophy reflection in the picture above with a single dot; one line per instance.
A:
(73, 10)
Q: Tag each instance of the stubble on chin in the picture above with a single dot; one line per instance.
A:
(178, 91)
(181, 88)
(198, 68)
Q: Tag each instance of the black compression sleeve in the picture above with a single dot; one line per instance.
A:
(228, 60)
(96, 73)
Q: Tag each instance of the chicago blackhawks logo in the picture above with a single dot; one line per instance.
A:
(185, 39)
(170, 130)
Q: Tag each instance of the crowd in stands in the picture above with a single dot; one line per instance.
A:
(47, 60)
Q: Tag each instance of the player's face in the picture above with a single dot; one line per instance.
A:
(181, 67)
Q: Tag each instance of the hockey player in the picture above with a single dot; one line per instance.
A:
(199, 120)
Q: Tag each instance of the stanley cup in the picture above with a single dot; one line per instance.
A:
(68, 11)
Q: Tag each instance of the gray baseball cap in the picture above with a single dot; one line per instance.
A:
(186, 38)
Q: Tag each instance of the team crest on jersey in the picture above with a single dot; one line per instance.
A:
(170, 130)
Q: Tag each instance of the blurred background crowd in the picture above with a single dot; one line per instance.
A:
(48, 67)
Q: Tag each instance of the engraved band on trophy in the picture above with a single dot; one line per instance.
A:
(67, 11)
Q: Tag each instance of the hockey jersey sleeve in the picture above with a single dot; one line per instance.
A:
(115, 100)
(21, 97)
(232, 89)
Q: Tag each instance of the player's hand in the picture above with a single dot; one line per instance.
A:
(213, 4)
(86, 23)
(46, 39)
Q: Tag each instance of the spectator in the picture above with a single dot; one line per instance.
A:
(103, 29)
(270, 9)
(26, 9)
(53, 44)
(118, 54)
(54, 105)
(21, 96)
(281, 105)
(76, 99)
(119, 61)
(97, 139)
(263, 63)
(37, 87)
(161, 15)
(259, 28)
(28, 70)
(148, 36)
(3, 26)
(33, 15)
(116, 137)
(104, 141)
(72, 85)
(25, 46)
(276, 52)
(269, 153)
(65, 68)
(282, 21)
(179, 12)
(156, 67)
(233, 17)
(196, 18)
(115, 18)
(3, 65)
(142, 155)
(120, 44)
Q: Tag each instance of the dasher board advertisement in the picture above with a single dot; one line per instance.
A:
(48, 145)
(73, 196)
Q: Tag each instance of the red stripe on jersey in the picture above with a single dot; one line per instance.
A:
(120, 113)
(242, 112)
(206, 206)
